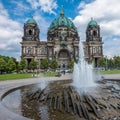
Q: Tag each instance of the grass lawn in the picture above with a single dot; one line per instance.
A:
(110, 72)
(24, 76)
(14, 76)
(50, 74)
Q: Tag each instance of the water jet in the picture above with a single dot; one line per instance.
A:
(83, 74)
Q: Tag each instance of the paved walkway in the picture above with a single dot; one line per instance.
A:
(5, 86)
(112, 76)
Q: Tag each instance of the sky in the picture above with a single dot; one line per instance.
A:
(14, 13)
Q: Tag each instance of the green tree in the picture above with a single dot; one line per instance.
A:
(11, 65)
(6, 58)
(22, 65)
(44, 64)
(33, 64)
(90, 61)
(102, 62)
(53, 64)
(2, 65)
(117, 62)
(110, 64)
(72, 64)
(19, 67)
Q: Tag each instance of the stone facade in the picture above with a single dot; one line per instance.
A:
(93, 43)
(62, 42)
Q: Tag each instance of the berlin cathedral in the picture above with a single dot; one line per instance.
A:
(62, 42)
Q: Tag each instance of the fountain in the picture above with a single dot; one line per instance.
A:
(83, 74)
(63, 99)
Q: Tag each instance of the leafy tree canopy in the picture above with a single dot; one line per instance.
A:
(53, 64)
(44, 64)
(33, 64)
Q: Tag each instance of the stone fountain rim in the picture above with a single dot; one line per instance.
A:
(4, 112)
(22, 86)
(9, 90)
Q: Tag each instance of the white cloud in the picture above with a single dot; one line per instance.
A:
(81, 5)
(45, 5)
(11, 33)
(20, 7)
(106, 13)
(34, 3)
(3, 12)
(112, 47)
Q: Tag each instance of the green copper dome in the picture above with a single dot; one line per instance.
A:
(31, 21)
(62, 21)
(92, 23)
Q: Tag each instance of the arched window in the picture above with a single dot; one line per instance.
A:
(30, 32)
(62, 22)
(63, 54)
(50, 51)
(29, 51)
(91, 32)
(95, 50)
(43, 51)
(94, 33)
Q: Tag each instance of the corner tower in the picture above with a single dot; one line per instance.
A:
(31, 30)
(29, 40)
(93, 44)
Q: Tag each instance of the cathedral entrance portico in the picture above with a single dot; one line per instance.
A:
(64, 58)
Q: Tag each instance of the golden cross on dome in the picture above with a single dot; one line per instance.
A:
(62, 10)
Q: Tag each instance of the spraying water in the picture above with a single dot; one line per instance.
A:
(43, 82)
(83, 75)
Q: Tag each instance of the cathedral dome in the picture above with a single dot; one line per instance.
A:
(31, 21)
(62, 21)
(92, 23)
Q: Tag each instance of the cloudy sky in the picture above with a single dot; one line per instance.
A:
(14, 13)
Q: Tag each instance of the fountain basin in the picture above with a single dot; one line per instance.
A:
(59, 100)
